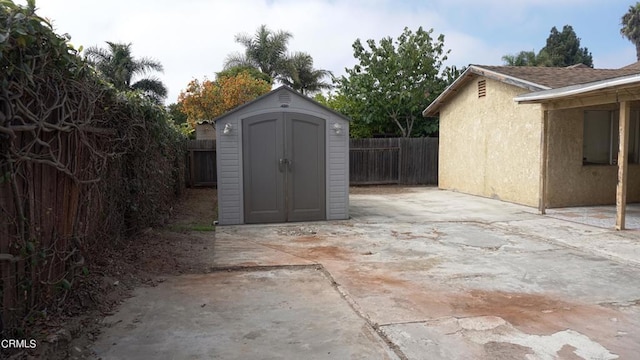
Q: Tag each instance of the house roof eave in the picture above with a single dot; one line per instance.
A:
(576, 90)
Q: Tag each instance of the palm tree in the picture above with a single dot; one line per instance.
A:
(265, 51)
(523, 58)
(117, 64)
(301, 76)
(631, 27)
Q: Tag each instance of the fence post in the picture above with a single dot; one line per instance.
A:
(192, 171)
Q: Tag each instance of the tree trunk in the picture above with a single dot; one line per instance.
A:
(638, 51)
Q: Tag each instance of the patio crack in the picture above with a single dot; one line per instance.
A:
(621, 304)
(358, 310)
(280, 250)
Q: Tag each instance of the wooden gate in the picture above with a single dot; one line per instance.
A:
(201, 163)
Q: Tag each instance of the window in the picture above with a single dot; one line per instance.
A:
(482, 88)
(601, 137)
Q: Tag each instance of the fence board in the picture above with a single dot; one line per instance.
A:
(373, 161)
(201, 163)
(412, 161)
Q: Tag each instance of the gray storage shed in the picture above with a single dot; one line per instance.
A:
(282, 157)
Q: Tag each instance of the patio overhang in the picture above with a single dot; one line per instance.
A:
(621, 91)
(610, 91)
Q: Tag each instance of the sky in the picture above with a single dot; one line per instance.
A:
(192, 38)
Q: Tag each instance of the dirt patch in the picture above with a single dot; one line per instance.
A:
(296, 231)
(532, 313)
(316, 253)
(184, 245)
(501, 350)
(373, 280)
(307, 239)
(568, 353)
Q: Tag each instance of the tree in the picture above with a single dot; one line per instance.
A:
(206, 100)
(395, 80)
(631, 27)
(300, 75)
(523, 58)
(178, 116)
(351, 109)
(562, 49)
(265, 51)
(237, 70)
(118, 66)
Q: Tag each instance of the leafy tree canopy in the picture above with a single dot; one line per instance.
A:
(351, 108)
(206, 100)
(561, 50)
(394, 81)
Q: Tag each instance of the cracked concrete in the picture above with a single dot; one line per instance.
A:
(419, 274)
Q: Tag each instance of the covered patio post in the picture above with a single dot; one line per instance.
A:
(544, 164)
(623, 164)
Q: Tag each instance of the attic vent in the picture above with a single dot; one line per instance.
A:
(482, 88)
(285, 99)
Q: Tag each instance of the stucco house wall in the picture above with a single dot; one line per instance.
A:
(490, 146)
(570, 183)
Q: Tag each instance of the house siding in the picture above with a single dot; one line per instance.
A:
(490, 146)
(570, 182)
(337, 177)
(228, 158)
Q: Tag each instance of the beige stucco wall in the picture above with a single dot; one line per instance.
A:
(570, 182)
(490, 146)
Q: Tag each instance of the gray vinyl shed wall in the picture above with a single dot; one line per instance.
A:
(229, 157)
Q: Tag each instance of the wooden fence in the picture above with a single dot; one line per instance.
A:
(42, 212)
(60, 204)
(201, 163)
(412, 161)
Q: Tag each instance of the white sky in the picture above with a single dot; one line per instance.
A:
(191, 38)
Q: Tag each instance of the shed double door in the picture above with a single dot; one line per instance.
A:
(284, 168)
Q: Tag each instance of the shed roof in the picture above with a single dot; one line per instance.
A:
(282, 88)
(532, 78)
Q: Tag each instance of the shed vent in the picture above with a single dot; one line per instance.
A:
(482, 88)
(285, 99)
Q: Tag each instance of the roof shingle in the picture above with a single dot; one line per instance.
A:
(554, 77)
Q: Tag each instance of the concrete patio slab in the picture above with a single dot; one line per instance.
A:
(600, 216)
(288, 313)
(442, 275)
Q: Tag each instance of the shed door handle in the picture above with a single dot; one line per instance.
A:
(282, 163)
